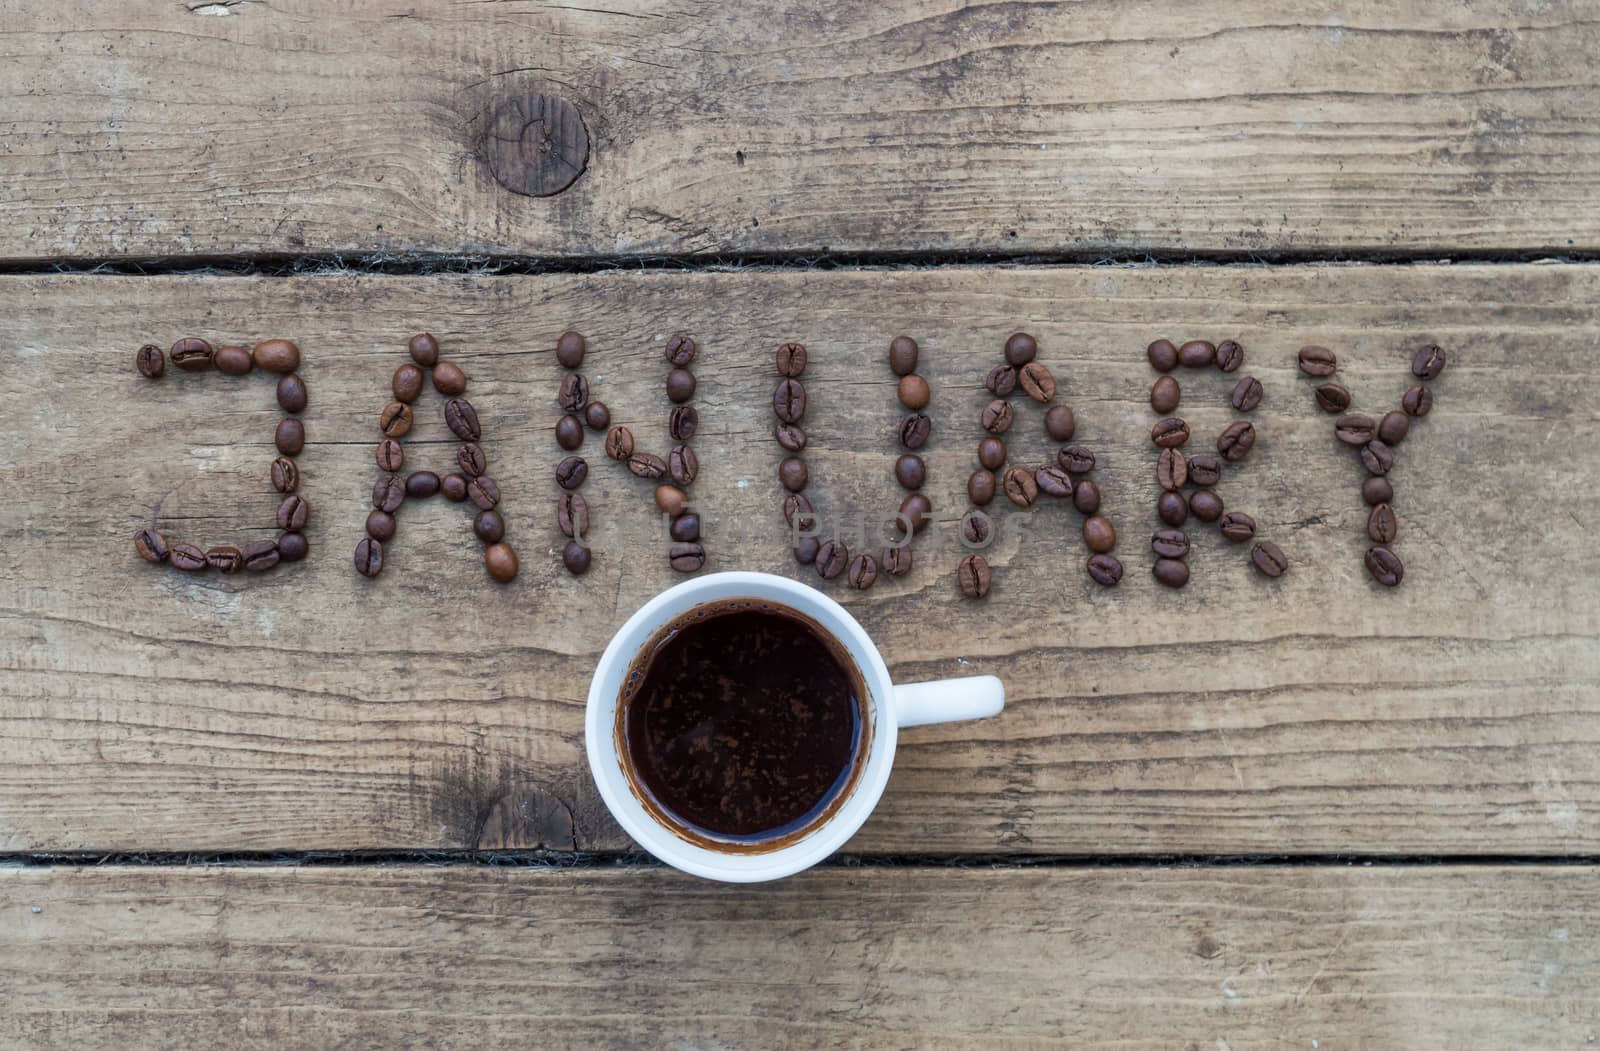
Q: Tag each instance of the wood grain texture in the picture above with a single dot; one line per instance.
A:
(159, 128)
(315, 709)
(457, 958)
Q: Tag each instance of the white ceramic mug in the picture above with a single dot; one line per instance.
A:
(889, 707)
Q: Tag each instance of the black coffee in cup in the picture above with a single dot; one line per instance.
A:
(741, 724)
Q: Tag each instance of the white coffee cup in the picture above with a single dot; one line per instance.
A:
(888, 707)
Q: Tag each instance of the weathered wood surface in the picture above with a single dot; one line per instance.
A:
(1330, 958)
(147, 710)
(158, 128)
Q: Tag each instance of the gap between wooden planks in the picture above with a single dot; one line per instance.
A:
(802, 126)
(312, 709)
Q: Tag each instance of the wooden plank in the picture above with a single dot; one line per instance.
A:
(154, 128)
(315, 709)
(447, 958)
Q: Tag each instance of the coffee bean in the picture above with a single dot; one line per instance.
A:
(1205, 505)
(792, 360)
(1170, 433)
(805, 550)
(151, 361)
(1037, 382)
(680, 386)
(863, 572)
(571, 472)
(424, 349)
(832, 558)
(619, 443)
(380, 525)
(1428, 362)
(903, 353)
(1269, 559)
(276, 355)
(1170, 572)
(396, 419)
(1099, 535)
(685, 421)
(407, 383)
(910, 471)
(421, 484)
(1385, 566)
(981, 487)
(1020, 349)
(1076, 459)
(388, 493)
(570, 349)
(1197, 354)
(997, 416)
(914, 430)
(681, 349)
(151, 545)
(1382, 525)
(895, 560)
(232, 361)
(1163, 355)
(992, 453)
(1418, 401)
(789, 436)
(369, 557)
(1376, 490)
(683, 465)
(260, 555)
(290, 437)
(573, 394)
(976, 529)
(1059, 423)
(1246, 394)
(792, 473)
(913, 392)
(1354, 428)
(1172, 470)
(187, 557)
(1086, 497)
(1051, 480)
(1237, 527)
(489, 527)
(685, 528)
(285, 475)
(789, 401)
(1001, 381)
(917, 510)
(293, 512)
(798, 512)
(484, 492)
(974, 575)
(292, 395)
(1317, 361)
(569, 432)
(1377, 457)
(292, 547)
(1230, 355)
(1170, 543)
(1394, 426)
(598, 417)
(1165, 394)
(572, 515)
(192, 354)
(1020, 488)
(462, 419)
(501, 562)
(1333, 397)
(471, 460)
(1172, 509)
(449, 380)
(576, 558)
(1236, 441)
(389, 455)
(454, 487)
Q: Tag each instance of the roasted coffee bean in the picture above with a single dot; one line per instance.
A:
(1317, 361)
(681, 349)
(1099, 535)
(1333, 397)
(292, 547)
(910, 471)
(981, 487)
(914, 430)
(484, 492)
(1377, 457)
(975, 576)
(260, 555)
(421, 484)
(1086, 497)
(232, 361)
(1197, 354)
(1269, 559)
(791, 359)
(1104, 570)
(388, 493)
(863, 572)
(1020, 488)
(1205, 505)
(646, 465)
(1246, 394)
(407, 383)
(1021, 348)
(619, 443)
(895, 560)
(798, 513)
(789, 436)
(789, 401)
(276, 355)
(192, 354)
(389, 455)
(1170, 433)
(976, 529)
(369, 557)
(1354, 428)
(1076, 459)
(992, 453)
(1165, 394)
(1382, 525)
(471, 460)
(1037, 382)
(792, 473)
(805, 550)
(572, 516)
(293, 512)
(380, 525)
(1394, 426)
(576, 558)
(454, 487)
(292, 396)
(569, 432)
(685, 420)
(683, 465)
(290, 437)
(1427, 362)
(462, 419)
(1170, 543)
(1172, 509)
(903, 353)
(598, 417)
(186, 557)
(1230, 355)
(151, 361)
(570, 349)
(571, 472)
(1204, 469)
(997, 416)
(1059, 423)
(832, 558)
(680, 386)
(1170, 572)
(913, 392)
(396, 419)
(1236, 441)
(285, 475)
(685, 528)
(1385, 566)
(489, 527)
(1376, 490)
(151, 545)
(1001, 381)
(501, 562)
(1237, 527)
(573, 394)
(917, 510)
(424, 349)
(449, 380)
(1163, 355)
(1172, 469)
(1418, 401)
(1051, 480)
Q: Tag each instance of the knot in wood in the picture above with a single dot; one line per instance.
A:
(537, 144)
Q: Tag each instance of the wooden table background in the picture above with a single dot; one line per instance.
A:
(317, 810)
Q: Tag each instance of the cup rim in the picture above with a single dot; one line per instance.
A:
(662, 842)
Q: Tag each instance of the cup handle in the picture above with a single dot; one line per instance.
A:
(949, 700)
